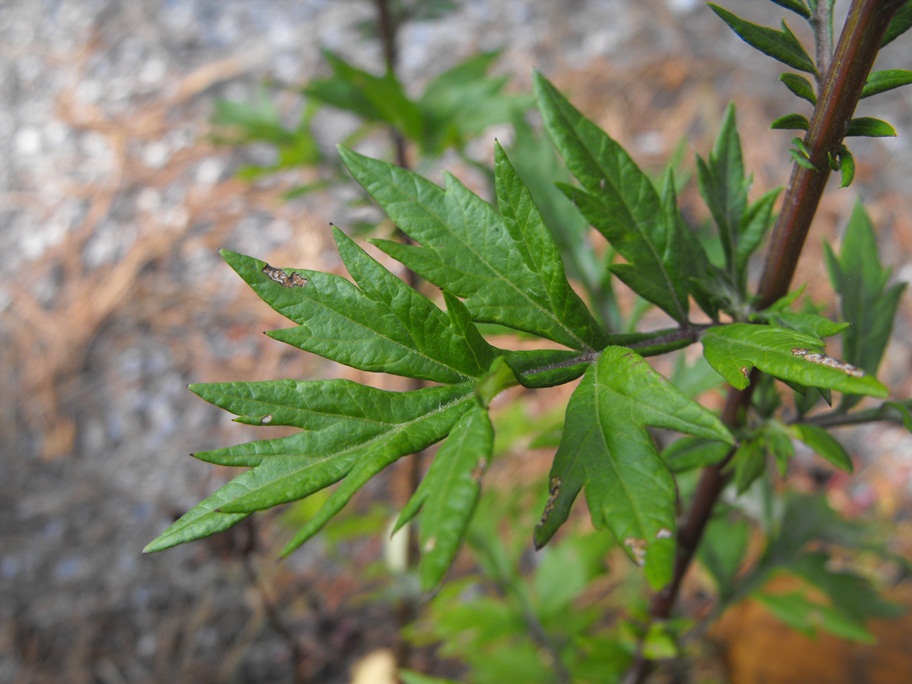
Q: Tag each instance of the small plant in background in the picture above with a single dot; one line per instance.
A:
(704, 494)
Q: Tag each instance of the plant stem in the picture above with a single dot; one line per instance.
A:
(881, 413)
(858, 45)
(855, 54)
(822, 22)
(389, 31)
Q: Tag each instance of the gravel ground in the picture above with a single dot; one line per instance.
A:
(112, 296)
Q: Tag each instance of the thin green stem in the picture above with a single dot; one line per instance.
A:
(884, 412)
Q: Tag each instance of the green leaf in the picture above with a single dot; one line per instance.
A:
(779, 444)
(722, 551)
(807, 323)
(379, 99)
(347, 410)
(869, 127)
(538, 164)
(733, 350)
(724, 187)
(749, 461)
(899, 24)
(801, 147)
(685, 252)
(449, 492)
(619, 200)
(605, 447)
(904, 411)
(882, 81)
(344, 422)
(805, 616)
(813, 324)
(790, 122)
(382, 326)
(462, 102)
(755, 224)
(242, 123)
(846, 167)
(534, 242)
(851, 594)
(848, 600)
(566, 569)
(402, 440)
(202, 520)
(824, 444)
(807, 518)
(800, 86)
(410, 677)
(780, 45)
(867, 304)
(690, 453)
(796, 6)
(801, 159)
(469, 250)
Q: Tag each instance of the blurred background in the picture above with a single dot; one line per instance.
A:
(116, 190)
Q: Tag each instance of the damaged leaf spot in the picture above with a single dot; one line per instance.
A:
(745, 372)
(663, 534)
(824, 360)
(282, 278)
(637, 548)
(430, 544)
(266, 420)
(479, 469)
(553, 492)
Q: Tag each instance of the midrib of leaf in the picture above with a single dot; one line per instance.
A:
(633, 221)
(497, 277)
(410, 351)
(353, 450)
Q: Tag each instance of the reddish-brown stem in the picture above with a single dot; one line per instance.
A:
(856, 51)
(855, 54)
(386, 23)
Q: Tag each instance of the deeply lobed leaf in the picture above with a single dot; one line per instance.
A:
(724, 187)
(350, 427)
(449, 492)
(467, 249)
(383, 325)
(619, 200)
(606, 449)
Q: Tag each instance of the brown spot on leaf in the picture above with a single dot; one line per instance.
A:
(282, 278)
(553, 492)
(637, 549)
